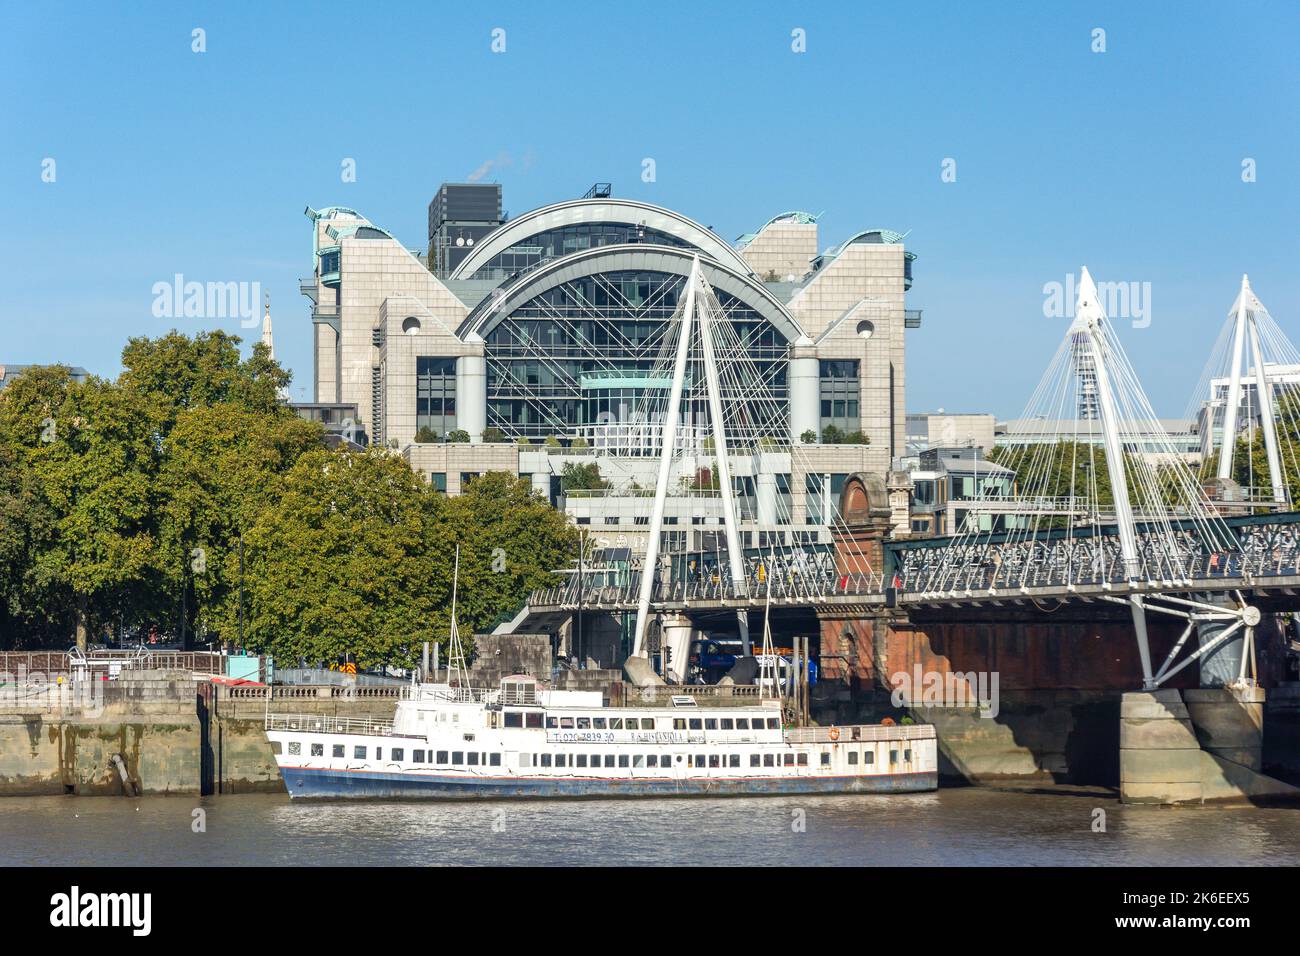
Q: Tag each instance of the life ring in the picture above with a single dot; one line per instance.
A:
(887, 722)
(835, 733)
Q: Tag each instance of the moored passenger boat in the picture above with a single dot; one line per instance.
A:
(520, 740)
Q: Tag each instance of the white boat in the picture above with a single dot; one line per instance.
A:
(521, 740)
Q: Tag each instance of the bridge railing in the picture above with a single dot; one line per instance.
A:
(784, 589)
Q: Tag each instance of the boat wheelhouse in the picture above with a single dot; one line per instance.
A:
(519, 740)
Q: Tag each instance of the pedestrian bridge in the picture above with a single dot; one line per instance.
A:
(1262, 555)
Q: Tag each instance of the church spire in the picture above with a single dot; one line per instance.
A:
(266, 328)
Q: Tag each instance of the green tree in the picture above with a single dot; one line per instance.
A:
(223, 468)
(582, 477)
(493, 436)
(512, 541)
(175, 372)
(809, 437)
(425, 435)
(349, 560)
(458, 436)
(832, 435)
(91, 449)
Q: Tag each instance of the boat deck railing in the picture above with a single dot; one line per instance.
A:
(871, 733)
(317, 724)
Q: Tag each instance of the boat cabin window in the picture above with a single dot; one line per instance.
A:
(546, 760)
(379, 753)
(338, 750)
(907, 755)
(442, 757)
(826, 758)
(893, 756)
(525, 760)
(276, 748)
(494, 760)
(473, 760)
(868, 756)
(713, 760)
(726, 723)
(789, 760)
(710, 723)
(695, 723)
(647, 723)
(399, 754)
(638, 760)
(581, 760)
(318, 750)
(584, 723)
(774, 723)
(755, 760)
(561, 759)
(417, 756)
(622, 760)
(616, 723)
(853, 757)
(514, 718)
(595, 760)
(533, 719)
(742, 723)
(679, 723)
(769, 760)
(566, 723)
(803, 760)
(295, 748)
(609, 760)
(598, 723)
(733, 760)
(552, 722)
(457, 758)
(358, 753)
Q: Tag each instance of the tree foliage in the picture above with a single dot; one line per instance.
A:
(124, 502)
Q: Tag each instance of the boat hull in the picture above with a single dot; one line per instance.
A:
(324, 784)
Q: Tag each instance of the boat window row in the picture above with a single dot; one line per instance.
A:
(460, 758)
(556, 722)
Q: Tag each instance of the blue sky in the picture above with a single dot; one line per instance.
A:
(1128, 161)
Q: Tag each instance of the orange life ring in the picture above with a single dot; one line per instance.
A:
(887, 722)
(835, 733)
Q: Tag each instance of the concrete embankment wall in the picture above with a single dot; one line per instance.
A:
(67, 742)
(171, 734)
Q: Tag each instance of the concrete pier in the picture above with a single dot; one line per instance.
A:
(1195, 746)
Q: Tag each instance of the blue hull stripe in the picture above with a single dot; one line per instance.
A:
(316, 783)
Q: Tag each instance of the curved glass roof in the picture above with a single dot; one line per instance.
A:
(627, 212)
(665, 259)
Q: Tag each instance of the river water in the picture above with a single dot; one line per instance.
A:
(953, 827)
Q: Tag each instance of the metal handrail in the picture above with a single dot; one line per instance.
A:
(317, 724)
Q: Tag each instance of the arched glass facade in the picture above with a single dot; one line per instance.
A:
(563, 240)
(584, 352)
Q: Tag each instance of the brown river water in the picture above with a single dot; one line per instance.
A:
(953, 827)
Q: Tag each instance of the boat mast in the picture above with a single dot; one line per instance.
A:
(457, 674)
(768, 670)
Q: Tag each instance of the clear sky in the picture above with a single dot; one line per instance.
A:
(1129, 161)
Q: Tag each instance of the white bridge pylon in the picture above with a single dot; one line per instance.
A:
(698, 314)
(1252, 365)
(1093, 492)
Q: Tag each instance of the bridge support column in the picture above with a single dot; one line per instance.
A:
(1195, 746)
(675, 632)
